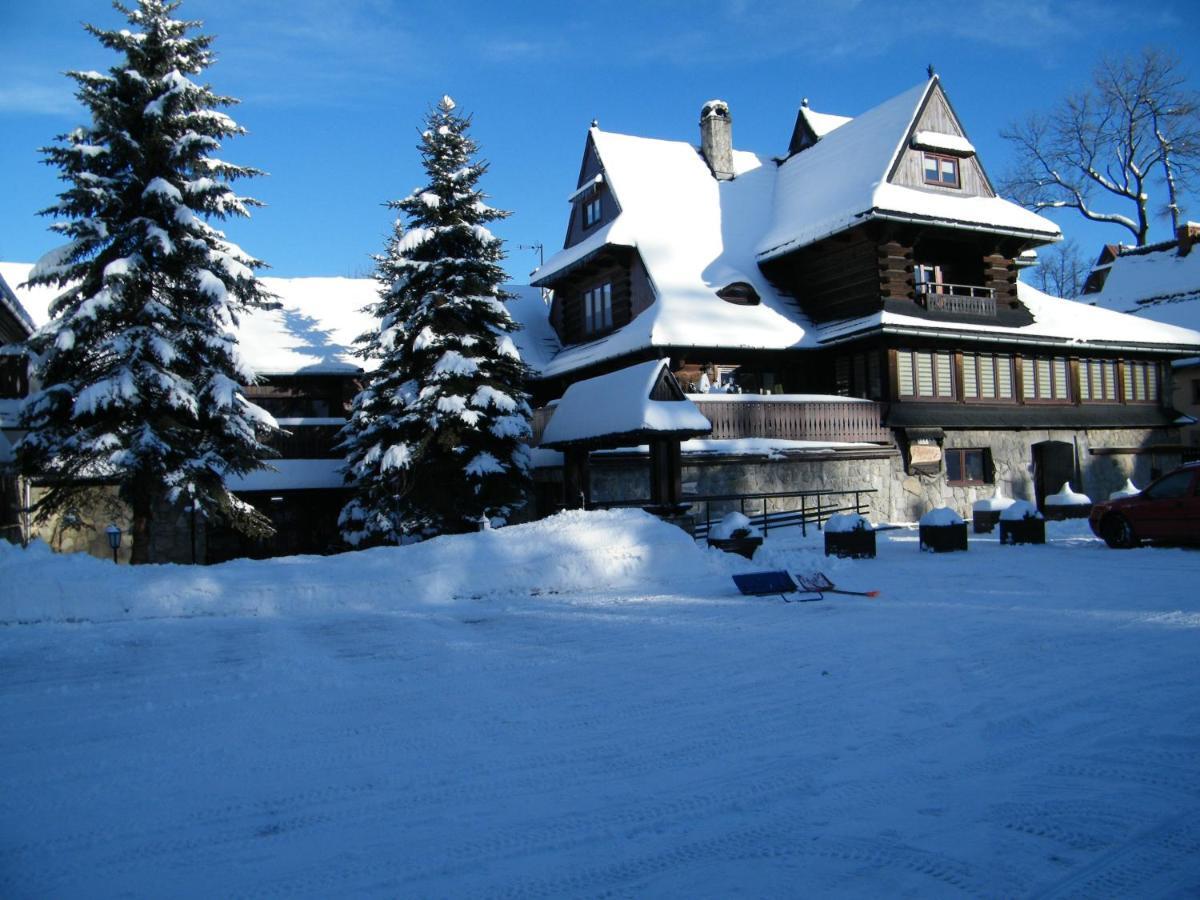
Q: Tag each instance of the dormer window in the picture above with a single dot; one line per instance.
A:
(591, 210)
(740, 293)
(597, 310)
(941, 170)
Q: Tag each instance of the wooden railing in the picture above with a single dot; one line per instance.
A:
(962, 299)
(783, 417)
(794, 419)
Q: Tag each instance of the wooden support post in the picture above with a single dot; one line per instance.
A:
(576, 479)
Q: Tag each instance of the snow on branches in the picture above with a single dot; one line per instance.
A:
(139, 365)
(436, 439)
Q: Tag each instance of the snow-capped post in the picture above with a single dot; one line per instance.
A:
(114, 538)
(140, 373)
(436, 440)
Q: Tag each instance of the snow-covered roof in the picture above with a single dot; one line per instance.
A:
(32, 303)
(1055, 320)
(619, 406)
(536, 341)
(1156, 284)
(313, 329)
(822, 123)
(695, 235)
(842, 180)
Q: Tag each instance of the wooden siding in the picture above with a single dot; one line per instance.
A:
(837, 278)
(1000, 275)
(909, 170)
(572, 312)
(793, 420)
(589, 168)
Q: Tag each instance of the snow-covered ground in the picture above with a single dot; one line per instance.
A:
(586, 707)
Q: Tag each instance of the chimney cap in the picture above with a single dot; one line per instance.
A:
(716, 109)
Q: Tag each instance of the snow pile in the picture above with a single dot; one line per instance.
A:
(1129, 489)
(1018, 510)
(573, 551)
(943, 515)
(842, 523)
(1068, 497)
(994, 503)
(733, 525)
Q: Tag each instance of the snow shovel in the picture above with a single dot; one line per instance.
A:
(818, 583)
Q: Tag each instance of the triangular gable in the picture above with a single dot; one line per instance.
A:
(811, 126)
(936, 117)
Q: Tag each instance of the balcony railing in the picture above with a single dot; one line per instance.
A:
(961, 299)
(798, 417)
(794, 418)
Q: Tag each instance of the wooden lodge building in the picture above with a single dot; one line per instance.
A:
(846, 314)
(860, 293)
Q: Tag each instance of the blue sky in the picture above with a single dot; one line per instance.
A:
(333, 93)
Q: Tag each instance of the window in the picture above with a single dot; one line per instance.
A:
(968, 466)
(1173, 487)
(941, 170)
(1141, 382)
(858, 375)
(1098, 380)
(1045, 379)
(13, 380)
(597, 310)
(925, 374)
(591, 211)
(987, 376)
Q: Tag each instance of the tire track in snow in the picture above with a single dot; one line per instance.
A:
(1159, 861)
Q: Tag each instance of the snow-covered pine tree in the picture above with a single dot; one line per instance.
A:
(436, 440)
(139, 369)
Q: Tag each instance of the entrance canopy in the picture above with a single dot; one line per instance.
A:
(637, 405)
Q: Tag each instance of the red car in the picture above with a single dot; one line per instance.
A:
(1168, 510)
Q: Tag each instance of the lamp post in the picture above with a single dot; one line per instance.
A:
(114, 538)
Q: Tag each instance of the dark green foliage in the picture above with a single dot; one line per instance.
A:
(435, 443)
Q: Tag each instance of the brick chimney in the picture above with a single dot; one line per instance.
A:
(1188, 234)
(716, 138)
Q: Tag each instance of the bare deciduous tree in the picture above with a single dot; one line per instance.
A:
(1060, 270)
(1103, 150)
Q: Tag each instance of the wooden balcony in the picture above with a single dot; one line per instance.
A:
(958, 299)
(795, 417)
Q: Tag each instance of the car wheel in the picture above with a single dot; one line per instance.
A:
(1117, 532)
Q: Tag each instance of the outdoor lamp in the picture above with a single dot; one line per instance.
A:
(114, 538)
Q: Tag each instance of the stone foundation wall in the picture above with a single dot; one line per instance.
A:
(901, 497)
(83, 530)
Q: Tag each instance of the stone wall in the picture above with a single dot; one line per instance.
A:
(83, 529)
(899, 496)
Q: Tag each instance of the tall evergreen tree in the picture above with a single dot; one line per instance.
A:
(435, 442)
(139, 367)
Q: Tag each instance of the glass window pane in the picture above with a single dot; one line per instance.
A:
(904, 373)
(1004, 377)
(970, 390)
(1043, 379)
(973, 462)
(1128, 381)
(987, 377)
(953, 465)
(945, 383)
(931, 168)
(949, 171)
(924, 374)
(1028, 379)
(1060, 379)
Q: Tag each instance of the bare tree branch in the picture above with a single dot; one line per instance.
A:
(1103, 151)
